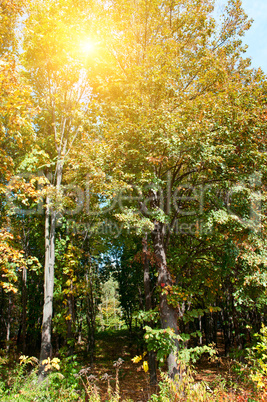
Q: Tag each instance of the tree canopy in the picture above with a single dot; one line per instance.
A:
(133, 173)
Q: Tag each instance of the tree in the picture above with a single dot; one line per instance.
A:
(109, 309)
(178, 104)
(55, 68)
(10, 11)
(162, 128)
(16, 134)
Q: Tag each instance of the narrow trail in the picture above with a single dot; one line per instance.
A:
(133, 381)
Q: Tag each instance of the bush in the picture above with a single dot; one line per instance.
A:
(182, 388)
(257, 359)
(70, 385)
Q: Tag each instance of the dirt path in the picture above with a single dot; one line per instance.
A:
(133, 381)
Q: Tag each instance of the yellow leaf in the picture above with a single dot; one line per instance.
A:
(23, 359)
(136, 359)
(145, 366)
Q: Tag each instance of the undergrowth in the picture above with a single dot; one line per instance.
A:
(67, 381)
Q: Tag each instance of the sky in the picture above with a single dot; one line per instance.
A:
(256, 37)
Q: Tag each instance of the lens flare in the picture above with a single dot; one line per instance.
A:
(88, 46)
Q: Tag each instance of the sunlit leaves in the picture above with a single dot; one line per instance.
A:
(51, 363)
(10, 10)
(11, 261)
(15, 116)
(23, 360)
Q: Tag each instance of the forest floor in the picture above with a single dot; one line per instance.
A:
(134, 382)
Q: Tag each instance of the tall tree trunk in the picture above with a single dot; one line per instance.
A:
(71, 321)
(49, 275)
(200, 329)
(8, 325)
(168, 313)
(46, 342)
(148, 305)
(24, 309)
(24, 290)
(90, 315)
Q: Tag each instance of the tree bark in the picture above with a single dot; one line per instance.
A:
(24, 295)
(49, 274)
(90, 315)
(71, 321)
(148, 305)
(24, 309)
(8, 326)
(46, 342)
(168, 313)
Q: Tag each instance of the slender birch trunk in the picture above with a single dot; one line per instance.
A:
(46, 342)
(49, 274)
(8, 326)
(24, 309)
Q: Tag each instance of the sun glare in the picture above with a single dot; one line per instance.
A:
(88, 46)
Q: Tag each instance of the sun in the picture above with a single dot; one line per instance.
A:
(88, 46)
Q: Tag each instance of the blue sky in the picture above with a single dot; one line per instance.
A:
(256, 37)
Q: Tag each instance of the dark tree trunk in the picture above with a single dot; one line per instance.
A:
(90, 316)
(227, 320)
(148, 305)
(168, 313)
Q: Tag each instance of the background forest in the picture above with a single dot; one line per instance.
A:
(132, 196)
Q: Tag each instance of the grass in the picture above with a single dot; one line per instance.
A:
(115, 378)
